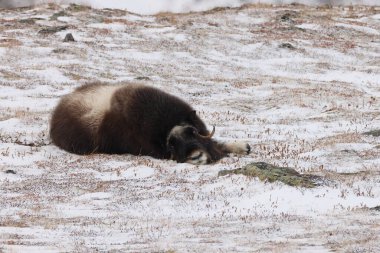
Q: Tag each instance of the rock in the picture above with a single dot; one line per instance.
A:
(78, 8)
(142, 78)
(287, 46)
(30, 21)
(61, 51)
(375, 133)
(288, 16)
(53, 29)
(58, 14)
(10, 172)
(271, 173)
(69, 37)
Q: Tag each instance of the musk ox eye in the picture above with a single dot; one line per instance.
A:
(191, 131)
(171, 143)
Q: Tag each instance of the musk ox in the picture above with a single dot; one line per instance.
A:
(135, 119)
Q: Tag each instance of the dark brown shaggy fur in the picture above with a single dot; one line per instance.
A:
(137, 122)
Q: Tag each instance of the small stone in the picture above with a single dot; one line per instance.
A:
(30, 21)
(142, 78)
(288, 17)
(10, 172)
(375, 133)
(287, 46)
(58, 14)
(53, 29)
(69, 37)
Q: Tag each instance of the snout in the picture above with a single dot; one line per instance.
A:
(190, 152)
(198, 157)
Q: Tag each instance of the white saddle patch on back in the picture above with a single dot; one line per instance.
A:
(98, 101)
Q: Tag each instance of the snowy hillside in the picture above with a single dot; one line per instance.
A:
(181, 6)
(300, 84)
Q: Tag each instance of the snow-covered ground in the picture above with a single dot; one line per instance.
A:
(300, 84)
(156, 6)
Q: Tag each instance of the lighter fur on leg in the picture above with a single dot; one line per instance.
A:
(238, 147)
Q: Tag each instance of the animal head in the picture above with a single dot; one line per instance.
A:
(186, 144)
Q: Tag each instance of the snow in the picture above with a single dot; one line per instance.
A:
(360, 28)
(2, 51)
(309, 26)
(179, 6)
(114, 26)
(306, 108)
(49, 74)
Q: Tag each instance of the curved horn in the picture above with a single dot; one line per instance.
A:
(210, 135)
